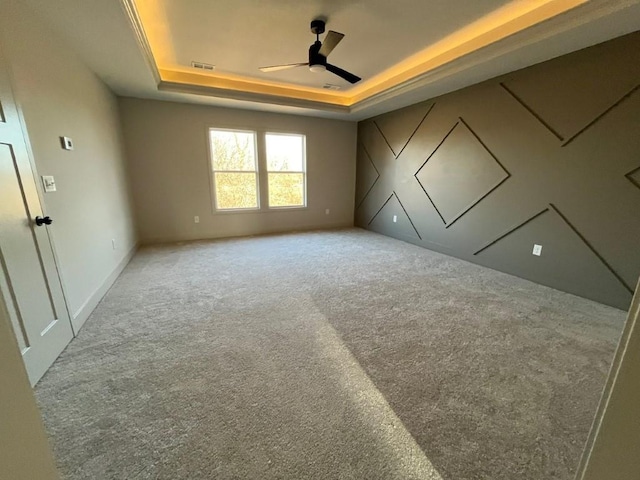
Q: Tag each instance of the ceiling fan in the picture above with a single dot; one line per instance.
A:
(318, 53)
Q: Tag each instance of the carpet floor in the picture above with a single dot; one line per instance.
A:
(326, 355)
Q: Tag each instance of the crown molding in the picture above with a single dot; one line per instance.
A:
(589, 12)
(284, 100)
(471, 47)
(129, 7)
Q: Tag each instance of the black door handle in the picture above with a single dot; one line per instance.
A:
(43, 221)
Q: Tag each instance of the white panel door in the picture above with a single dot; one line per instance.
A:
(29, 279)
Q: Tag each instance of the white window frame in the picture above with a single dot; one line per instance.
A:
(213, 171)
(303, 172)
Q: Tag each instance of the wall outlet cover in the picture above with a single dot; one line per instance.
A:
(395, 218)
(537, 249)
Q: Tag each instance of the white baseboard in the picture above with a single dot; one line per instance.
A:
(81, 315)
(242, 234)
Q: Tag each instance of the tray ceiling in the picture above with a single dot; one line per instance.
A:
(405, 51)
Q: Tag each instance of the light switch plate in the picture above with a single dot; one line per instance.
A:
(537, 249)
(49, 183)
(395, 218)
(67, 143)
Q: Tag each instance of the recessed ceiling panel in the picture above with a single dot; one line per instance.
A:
(240, 36)
(405, 51)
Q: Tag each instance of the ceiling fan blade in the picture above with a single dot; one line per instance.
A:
(330, 41)
(275, 68)
(349, 77)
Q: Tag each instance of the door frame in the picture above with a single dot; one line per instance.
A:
(618, 389)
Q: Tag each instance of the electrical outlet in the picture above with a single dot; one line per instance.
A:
(113, 243)
(196, 219)
(395, 218)
(327, 211)
(537, 249)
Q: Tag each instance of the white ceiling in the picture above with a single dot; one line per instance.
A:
(240, 35)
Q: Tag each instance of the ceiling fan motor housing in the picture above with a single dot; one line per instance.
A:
(317, 62)
(317, 27)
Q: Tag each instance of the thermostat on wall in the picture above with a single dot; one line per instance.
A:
(67, 143)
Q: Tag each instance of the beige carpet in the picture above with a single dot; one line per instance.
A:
(328, 355)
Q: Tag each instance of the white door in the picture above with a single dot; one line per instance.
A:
(29, 279)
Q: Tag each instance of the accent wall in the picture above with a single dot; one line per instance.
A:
(548, 156)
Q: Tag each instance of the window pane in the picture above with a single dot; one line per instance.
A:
(233, 150)
(236, 190)
(285, 153)
(286, 189)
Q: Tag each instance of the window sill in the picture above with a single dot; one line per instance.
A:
(234, 211)
(279, 209)
(257, 210)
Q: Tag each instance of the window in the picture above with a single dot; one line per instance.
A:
(286, 169)
(241, 162)
(235, 170)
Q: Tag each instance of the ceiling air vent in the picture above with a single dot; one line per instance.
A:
(330, 86)
(203, 66)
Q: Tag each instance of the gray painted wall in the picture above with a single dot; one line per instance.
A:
(60, 96)
(547, 155)
(168, 155)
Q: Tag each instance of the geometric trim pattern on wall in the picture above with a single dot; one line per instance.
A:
(555, 209)
(550, 139)
(570, 97)
(510, 231)
(548, 126)
(589, 124)
(398, 138)
(390, 203)
(532, 112)
(634, 176)
(368, 174)
(600, 116)
(592, 248)
(459, 173)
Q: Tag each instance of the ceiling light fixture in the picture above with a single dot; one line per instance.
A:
(318, 67)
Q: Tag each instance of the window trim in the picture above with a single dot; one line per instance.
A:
(263, 193)
(212, 172)
(303, 172)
